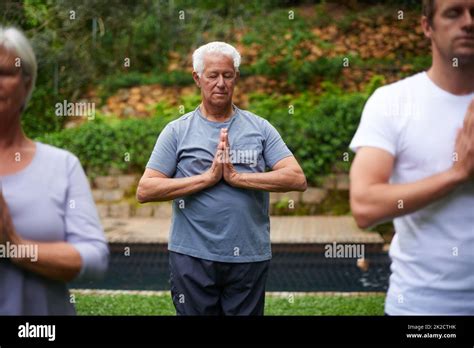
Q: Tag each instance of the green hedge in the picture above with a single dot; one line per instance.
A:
(102, 144)
(320, 129)
(318, 132)
(39, 116)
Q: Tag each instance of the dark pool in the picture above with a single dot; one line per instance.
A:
(293, 268)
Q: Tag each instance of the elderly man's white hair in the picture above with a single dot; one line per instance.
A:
(214, 47)
(14, 41)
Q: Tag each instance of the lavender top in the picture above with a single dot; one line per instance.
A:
(50, 200)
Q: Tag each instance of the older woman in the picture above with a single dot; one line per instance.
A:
(50, 232)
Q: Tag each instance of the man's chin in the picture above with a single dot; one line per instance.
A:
(464, 58)
(221, 101)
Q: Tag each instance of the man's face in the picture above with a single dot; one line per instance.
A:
(453, 29)
(218, 80)
(13, 89)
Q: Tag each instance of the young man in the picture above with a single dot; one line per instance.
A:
(212, 163)
(415, 164)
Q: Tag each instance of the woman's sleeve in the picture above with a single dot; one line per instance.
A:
(83, 227)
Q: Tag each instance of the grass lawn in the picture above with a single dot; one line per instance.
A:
(124, 304)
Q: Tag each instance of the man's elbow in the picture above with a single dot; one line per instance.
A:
(141, 195)
(361, 215)
(298, 181)
(362, 221)
(302, 184)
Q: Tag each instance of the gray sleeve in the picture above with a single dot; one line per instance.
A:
(164, 155)
(83, 227)
(275, 148)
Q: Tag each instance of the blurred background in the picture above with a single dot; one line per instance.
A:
(292, 53)
(307, 66)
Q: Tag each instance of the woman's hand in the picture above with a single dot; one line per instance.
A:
(7, 230)
(59, 261)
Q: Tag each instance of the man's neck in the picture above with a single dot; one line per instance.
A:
(218, 114)
(457, 80)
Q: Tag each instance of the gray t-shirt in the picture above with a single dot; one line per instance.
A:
(50, 200)
(221, 223)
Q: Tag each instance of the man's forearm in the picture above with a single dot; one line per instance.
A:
(166, 189)
(381, 202)
(281, 180)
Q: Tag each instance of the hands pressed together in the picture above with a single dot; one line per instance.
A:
(464, 150)
(222, 166)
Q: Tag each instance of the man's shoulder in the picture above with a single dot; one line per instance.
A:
(181, 121)
(408, 85)
(249, 116)
(184, 118)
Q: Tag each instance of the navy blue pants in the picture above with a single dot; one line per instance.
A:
(203, 287)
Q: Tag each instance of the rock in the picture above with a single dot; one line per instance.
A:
(293, 195)
(120, 210)
(163, 210)
(128, 111)
(135, 90)
(127, 182)
(114, 171)
(272, 210)
(329, 182)
(103, 210)
(106, 182)
(314, 195)
(98, 195)
(342, 182)
(275, 197)
(337, 182)
(144, 211)
(112, 195)
(123, 94)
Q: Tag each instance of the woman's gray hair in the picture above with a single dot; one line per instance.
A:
(14, 41)
(214, 47)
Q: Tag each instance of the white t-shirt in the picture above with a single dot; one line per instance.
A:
(433, 248)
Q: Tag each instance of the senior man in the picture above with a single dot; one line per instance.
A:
(212, 163)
